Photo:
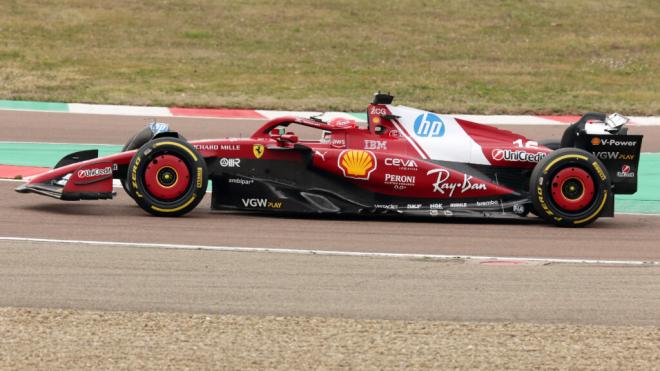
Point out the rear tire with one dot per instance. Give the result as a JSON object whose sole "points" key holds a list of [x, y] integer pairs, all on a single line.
{"points": [[167, 177], [570, 188]]}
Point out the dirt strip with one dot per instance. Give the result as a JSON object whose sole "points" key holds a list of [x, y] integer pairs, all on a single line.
{"points": [[66, 339]]}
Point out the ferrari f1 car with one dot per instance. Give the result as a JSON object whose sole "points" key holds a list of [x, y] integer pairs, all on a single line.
{"points": [[403, 161]]}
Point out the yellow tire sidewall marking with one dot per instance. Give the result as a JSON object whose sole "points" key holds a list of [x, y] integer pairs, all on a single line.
{"points": [[191, 153], [176, 208]]}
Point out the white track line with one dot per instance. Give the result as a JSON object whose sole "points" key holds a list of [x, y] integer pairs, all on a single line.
{"points": [[139, 115], [104, 109], [328, 252]]}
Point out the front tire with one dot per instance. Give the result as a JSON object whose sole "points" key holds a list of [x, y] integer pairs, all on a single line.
{"points": [[167, 177], [570, 188]]}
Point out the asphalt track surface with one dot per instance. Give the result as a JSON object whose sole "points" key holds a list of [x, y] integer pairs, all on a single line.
{"points": [[103, 277]]}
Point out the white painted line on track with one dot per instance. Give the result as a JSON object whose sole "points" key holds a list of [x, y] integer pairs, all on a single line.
{"points": [[330, 252], [121, 110], [142, 116]]}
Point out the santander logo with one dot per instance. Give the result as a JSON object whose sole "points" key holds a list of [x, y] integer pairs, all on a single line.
{"points": [[88, 173]]}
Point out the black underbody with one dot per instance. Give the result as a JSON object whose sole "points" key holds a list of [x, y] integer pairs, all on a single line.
{"points": [[297, 187]]}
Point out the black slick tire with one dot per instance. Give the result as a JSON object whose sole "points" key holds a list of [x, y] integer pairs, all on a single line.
{"points": [[570, 188], [167, 177]]}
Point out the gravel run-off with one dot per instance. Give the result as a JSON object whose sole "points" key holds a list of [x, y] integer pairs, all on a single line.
{"points": [[72, 339]]}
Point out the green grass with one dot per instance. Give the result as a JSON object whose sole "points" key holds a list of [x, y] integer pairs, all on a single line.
{"points": [[560, 56]]}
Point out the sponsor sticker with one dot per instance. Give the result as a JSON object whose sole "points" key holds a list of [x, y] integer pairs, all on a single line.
{"points": [[338, 143], [356, 163], [443, 185], [375, 144], [617, 143], [399, 181], [230, 147], [387, 206], [89, 173], [401, 163], [263, 203], [240, 181], [429, 125], [230, 162], [206, 147], [258, 150], [488, 203], [614, 155], [458, 205], [516, 155], [625, 172]]}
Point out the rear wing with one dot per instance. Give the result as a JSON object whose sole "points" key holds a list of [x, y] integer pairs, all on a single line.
{"points": [[620, 155], [606, 136]]}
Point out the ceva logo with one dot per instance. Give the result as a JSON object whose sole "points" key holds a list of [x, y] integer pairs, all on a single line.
{"points": [[429, 125], [357, 164]]}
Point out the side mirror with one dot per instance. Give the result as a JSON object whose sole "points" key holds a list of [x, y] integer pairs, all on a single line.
{"points": [[276, 133]]}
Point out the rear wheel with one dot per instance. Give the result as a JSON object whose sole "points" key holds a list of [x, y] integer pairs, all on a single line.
{"points": [[570, 188], [167, 177]]}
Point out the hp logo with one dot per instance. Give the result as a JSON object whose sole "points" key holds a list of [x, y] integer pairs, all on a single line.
{"points": [[428, 124]]}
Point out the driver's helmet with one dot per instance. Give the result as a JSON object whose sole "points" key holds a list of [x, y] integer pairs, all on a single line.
{"points": [[341, 122]]}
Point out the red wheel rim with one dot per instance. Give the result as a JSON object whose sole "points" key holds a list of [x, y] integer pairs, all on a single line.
{"points": [[166, 177], [572, 189]]}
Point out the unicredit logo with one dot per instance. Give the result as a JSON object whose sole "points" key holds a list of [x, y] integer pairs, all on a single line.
{"points": [[88, 173], [509, 155]]}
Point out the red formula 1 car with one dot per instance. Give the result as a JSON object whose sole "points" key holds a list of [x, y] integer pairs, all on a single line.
{"points": [[404, 161]]}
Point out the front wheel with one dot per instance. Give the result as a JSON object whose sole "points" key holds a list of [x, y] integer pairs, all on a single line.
{"points": [[570, 188], [167, 177]]}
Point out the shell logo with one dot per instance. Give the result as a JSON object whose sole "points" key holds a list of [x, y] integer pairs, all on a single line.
{"points": [[595, 141], [356, 163]]}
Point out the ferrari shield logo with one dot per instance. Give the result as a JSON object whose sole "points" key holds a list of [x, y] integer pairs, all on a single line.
{"points": [[258, 150]]}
